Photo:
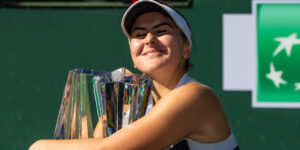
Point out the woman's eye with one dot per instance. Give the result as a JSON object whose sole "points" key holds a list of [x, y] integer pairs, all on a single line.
{"points": [[139, 35], [161, 31]]}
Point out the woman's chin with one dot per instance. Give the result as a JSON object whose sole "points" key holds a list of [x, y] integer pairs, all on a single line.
{"points": [[152, 71]]}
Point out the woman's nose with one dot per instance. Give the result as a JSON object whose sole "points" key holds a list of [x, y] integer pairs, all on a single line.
{"points": [[150, 38]]}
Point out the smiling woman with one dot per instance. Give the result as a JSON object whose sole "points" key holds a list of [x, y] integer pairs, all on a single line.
{"points": [[184, 114], [156, 45]]}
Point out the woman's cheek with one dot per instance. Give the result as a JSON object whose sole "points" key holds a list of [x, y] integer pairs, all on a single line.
{"points": [[136, 47], [135, 50]]}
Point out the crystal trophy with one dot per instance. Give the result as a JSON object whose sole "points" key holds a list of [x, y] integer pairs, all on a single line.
{"points": [[96, 104]]}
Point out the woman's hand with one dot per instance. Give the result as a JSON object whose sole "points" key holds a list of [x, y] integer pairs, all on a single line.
{"points": [[73, 144], [38, 145]]}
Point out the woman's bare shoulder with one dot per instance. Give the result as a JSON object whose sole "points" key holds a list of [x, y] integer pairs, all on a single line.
{"points": [[196, 100], [196, 91], [204, 111]]}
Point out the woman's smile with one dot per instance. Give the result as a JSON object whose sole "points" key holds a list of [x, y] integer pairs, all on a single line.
{"points": [[153, 52]]}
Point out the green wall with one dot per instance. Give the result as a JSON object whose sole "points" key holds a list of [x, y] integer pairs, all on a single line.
{"points": [[39, 46]]}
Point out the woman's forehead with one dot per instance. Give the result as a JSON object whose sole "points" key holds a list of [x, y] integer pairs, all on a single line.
{"points": [[152, 18]]}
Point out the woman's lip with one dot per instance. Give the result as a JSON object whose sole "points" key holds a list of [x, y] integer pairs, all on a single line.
{"points": [[153, 51]]}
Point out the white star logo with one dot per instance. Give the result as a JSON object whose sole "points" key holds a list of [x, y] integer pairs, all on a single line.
{"points": [[275, 76], [286, 43], [297, 86]]}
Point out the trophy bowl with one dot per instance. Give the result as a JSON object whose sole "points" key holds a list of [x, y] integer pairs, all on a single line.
{"points": [[96, 104]]}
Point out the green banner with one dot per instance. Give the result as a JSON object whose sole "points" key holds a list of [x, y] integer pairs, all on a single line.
{"points": [[278, 53]]}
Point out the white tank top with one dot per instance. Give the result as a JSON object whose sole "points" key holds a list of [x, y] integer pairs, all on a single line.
{"points": [[228, 144]]}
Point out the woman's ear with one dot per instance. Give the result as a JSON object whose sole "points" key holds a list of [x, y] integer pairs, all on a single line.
{"points": [[187, 52]]}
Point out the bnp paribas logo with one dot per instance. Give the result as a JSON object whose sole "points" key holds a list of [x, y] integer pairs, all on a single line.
{"points": [[262, 53]]}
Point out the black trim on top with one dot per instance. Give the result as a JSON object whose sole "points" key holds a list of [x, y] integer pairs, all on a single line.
{"points": [[80, 4], [182, 145]]}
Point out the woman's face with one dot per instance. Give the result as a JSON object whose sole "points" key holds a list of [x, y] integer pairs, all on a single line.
{"points": [[156, 44]]}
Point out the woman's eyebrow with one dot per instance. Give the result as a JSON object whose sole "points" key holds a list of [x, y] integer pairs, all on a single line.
{"points": [[161, 24], [154, 27], [137, 28]]}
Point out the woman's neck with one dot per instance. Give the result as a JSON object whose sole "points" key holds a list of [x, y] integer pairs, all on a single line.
{"points": [[162, 85]]}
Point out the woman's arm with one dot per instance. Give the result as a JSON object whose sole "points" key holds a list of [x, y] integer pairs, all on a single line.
{"points": [[74, 144], [190, 111]]}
